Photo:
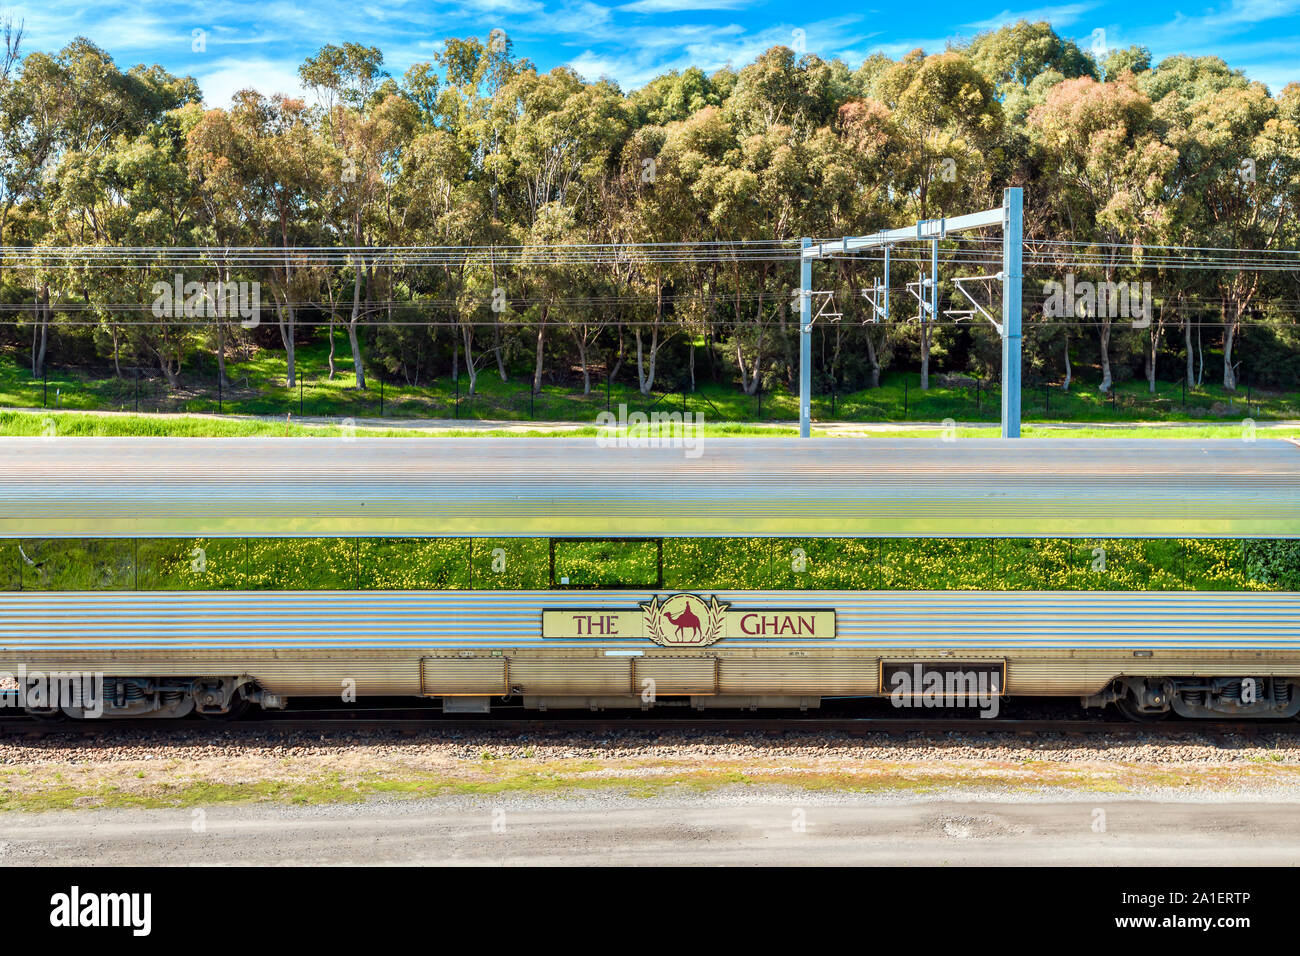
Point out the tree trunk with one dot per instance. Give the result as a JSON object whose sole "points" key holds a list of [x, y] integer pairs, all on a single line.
{"points": [[496, 347], [352, 328], [645, 368], [39, 342], [1104, 336], [873, 361], [582, 358], [541, 346], [1151, 365], [1229, 333], [330, 358], [1200, 356], [286, 322], [221, 355], [468, 332]]}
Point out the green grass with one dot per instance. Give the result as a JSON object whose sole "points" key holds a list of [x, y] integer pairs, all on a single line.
{"points": [[259, 390], [99, 425]]}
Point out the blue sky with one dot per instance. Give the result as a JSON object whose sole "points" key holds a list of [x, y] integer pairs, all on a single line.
{"points": [[261, 43]]}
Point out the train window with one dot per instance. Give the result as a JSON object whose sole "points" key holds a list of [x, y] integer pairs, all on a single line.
{"points": [[415, 564], [951, 564], [1215, 565], [510, 564], [76, 564], [9, 580], [683, 564], [189, 564], [606, 563]]}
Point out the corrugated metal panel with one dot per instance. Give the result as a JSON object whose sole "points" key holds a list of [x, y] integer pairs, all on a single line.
{"points": [[797, 675], [1081, 676], [541, 676], [676, 675], [460, 677], [736, 486], [434, 620]]}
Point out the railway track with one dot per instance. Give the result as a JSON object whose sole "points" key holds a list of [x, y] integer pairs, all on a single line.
{"points": [[359, 722]]}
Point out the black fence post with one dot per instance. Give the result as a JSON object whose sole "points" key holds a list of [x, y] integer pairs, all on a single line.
{"points": [[45, 387], [219, 409], [904, 399], [1047, 398], [137, 391], [608, 380], [1184, 381], [300, 393], [381, 396]]}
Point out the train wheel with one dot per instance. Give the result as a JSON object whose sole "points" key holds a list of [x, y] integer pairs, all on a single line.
{"points": [[238, 707], [1130, 710]]}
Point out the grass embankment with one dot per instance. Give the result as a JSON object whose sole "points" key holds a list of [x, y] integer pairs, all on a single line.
{"points": [[258, 389], [129, 425], [347, 771]]}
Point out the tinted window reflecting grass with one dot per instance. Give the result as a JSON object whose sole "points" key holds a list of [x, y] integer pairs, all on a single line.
{"points": [[596, 564], [76, 564], [689, 564]]}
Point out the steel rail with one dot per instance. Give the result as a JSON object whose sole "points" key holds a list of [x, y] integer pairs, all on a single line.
{"points": [[559, 725]]}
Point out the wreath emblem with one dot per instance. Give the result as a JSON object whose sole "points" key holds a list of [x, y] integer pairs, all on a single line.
{"points": [[684, 620]]}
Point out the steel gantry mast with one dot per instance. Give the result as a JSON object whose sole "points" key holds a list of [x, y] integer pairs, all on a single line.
{"points": [[1009, 216]]}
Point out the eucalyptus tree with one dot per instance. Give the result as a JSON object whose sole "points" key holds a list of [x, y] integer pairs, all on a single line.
{"points": [[559, 135], [282, 165], [950, 124], [1237, 160], [1106, 176]]}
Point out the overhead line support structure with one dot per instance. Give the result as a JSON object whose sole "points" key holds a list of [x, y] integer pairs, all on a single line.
{"points": [[1009, 217]]}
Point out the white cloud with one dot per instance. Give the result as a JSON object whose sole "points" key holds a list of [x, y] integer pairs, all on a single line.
{"points": [[230, 75], [679, 6], [1058, 16]]}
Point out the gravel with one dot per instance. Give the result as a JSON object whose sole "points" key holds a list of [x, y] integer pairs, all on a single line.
{"points": [[200, 744]]}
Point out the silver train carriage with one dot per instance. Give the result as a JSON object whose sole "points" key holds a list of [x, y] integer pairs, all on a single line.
{"points": [[167, 640]]}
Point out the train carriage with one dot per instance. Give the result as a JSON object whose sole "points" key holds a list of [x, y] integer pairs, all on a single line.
{"points": [[209, 574]]}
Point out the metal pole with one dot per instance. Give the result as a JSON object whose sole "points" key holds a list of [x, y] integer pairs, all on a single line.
{"points": [[934, 281], [45, 388], [219, 409], [381, 396], [805, 343], [1012, 274], [886, 283]]}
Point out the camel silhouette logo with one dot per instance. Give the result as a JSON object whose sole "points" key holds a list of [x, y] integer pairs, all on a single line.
{"points": [[684, 620]]}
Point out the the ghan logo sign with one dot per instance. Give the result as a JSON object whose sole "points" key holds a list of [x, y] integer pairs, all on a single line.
{"points": [[686, 620]]}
